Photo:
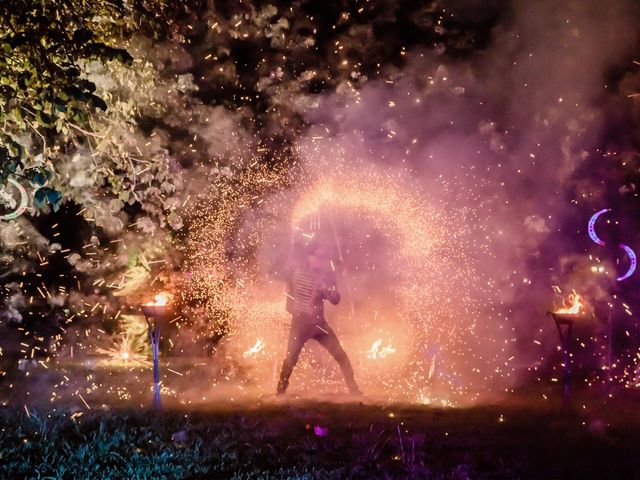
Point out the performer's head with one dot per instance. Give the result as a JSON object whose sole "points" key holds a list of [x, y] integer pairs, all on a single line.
{"points": [[316, 255], [317, 258]]}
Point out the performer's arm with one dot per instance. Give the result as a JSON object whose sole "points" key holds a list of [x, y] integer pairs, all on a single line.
{"points": [[330, 292]]}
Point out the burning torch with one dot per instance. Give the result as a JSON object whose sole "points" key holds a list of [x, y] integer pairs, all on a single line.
{"points": [[155, 313], [566, 317]]}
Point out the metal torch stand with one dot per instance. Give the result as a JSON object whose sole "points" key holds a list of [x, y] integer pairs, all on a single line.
{"points": [[154, 335], [153, 324], [565, 341]]}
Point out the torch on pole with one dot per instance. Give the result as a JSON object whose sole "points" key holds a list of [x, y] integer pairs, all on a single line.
{"points": [[565, 320], [155, 314]]}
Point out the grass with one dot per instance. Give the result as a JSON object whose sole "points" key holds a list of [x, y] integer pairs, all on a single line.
{"points": [[279, 441]]}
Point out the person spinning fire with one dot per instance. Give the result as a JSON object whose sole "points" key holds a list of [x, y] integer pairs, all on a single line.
{"points": [[309, 284]]}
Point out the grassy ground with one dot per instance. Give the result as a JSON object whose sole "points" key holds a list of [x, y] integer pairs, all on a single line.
{"points": [[308, 440]]}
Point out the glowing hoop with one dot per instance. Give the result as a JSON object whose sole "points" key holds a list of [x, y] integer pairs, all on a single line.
{"points": [[592, 226], [24, 202], [634, 262]]}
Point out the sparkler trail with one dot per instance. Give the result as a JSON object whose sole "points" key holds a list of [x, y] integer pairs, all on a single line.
{"points": [[403, 257]]}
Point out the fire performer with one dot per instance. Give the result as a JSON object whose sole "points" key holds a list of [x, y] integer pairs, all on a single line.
{"points": [[309, 284]]}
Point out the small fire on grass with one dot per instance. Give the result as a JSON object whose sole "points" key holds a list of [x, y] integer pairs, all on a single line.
{"points": [[376, 351], [124, 353], [253, 351]]}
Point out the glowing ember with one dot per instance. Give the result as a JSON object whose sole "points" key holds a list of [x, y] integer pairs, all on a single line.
{"points": [[574, 305], [376, 352], [125, 353], [160, 300], [253, 351]]}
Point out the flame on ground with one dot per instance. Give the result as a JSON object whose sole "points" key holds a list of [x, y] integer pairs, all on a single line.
{"points": [[376, 352], [124, 353], [253, 351]]}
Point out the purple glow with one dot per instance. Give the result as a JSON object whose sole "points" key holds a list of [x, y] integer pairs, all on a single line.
{"points": [[592, 224], [634, 262], [320, 431]]}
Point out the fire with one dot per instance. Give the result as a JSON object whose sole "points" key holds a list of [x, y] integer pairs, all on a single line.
{"points": [[123, 353], [376, 352], [160, 300], [254, 350], [575, 305], [126, 357]]}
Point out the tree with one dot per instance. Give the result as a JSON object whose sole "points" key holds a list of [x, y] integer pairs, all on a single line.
{"points": [[69, 127]]}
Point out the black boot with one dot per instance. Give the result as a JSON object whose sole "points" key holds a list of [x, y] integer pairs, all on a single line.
{"points": [[353, 387], [282, 387], [347, 372], [355, 391], [284, 378]]}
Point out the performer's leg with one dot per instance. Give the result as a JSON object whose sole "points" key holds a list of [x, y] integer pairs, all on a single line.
{"points": [[328, 339], [297, 338]]}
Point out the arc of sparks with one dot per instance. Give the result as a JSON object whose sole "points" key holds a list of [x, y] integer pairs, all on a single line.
{"points": [[592, 226], [632, 266], [22, 206]]}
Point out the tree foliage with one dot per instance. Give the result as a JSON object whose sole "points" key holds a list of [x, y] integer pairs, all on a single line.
{"points": [[45, 99], [69, 107], [41, 89]]}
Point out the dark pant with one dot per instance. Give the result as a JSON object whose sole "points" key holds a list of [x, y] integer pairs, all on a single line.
{"points": [[303, 330]]}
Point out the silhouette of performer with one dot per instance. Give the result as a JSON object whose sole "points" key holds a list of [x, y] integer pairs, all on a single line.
{"points": [[309, 284]]}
